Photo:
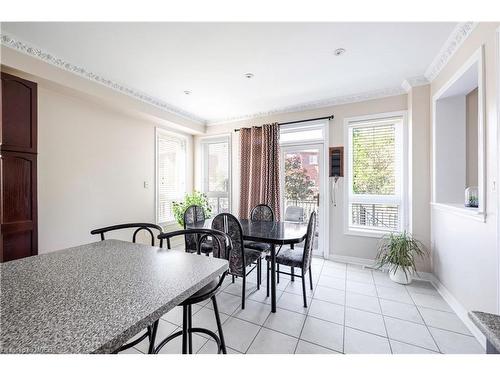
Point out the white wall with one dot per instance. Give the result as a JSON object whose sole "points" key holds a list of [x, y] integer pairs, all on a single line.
{"points": [[419, 176], [92, 164], [465, 253], [341, 246], [450, 157]]}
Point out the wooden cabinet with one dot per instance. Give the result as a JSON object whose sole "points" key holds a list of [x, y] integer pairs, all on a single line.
{"points": [[18, 168]]}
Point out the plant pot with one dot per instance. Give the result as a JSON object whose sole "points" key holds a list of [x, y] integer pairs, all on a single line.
{"points": [[399, 276]]}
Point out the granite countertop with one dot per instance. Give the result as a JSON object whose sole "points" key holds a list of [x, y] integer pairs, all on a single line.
{"points": [[94, 298], [489, 325]]}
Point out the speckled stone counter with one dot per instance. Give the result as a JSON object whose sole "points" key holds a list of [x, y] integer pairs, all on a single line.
{"points": [[489, 325], [94, 298]]}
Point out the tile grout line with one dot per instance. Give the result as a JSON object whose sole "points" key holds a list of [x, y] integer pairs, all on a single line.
{"points": [[307, 315], [383, 317], [425, 324], [345, 308]]}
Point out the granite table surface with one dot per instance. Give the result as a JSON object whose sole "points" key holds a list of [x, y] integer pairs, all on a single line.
{"points": [[489, 325], [94, 298]]}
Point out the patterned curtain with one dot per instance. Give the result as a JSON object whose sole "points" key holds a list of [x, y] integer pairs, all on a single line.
{"points": [[260, 168]]}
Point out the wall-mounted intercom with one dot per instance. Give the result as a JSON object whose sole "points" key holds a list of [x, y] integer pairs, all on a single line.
{"points": [[336, 161], [336, 170]]}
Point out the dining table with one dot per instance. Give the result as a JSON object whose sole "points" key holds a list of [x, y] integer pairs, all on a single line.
{"points": [[274, 233], [94, 298]]}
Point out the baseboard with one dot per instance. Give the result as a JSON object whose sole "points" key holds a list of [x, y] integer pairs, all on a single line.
{"points": [[456, 306], [352, 260]]}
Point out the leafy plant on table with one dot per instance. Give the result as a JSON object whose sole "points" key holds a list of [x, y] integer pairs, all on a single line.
{"points": [[196, 198]]}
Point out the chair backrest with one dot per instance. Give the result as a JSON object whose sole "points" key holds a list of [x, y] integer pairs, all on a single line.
{"points": [[310, 238], [262, 212], [229, 224], [148, 227], [193, 215], [221, 241], [294, 213], [222, 246]]}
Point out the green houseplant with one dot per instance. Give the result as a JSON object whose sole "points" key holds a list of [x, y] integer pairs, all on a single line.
{"points": [[399, 251], [196, 198]]}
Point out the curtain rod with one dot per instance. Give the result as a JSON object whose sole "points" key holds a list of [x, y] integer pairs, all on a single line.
{"points": [[296, 122]]}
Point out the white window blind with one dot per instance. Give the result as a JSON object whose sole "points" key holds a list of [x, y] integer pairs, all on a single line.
{"points": [[171, 172], [216, 173], [375, 157]]}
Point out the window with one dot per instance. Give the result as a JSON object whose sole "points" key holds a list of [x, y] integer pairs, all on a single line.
{"points": [[216, 173], [313, 131], [170, 173], [375, 180]]}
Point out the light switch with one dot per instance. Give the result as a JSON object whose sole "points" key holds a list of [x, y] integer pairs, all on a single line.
{"points": [[146, 185]]}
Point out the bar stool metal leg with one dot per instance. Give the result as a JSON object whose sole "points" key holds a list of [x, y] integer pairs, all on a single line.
{"points": [[219, 325], [190, 327], [185, 336], [152, 338]]}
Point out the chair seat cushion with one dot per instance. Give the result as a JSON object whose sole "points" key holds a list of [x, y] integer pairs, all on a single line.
{"points": [[289, 257], [206, 247], [260, 246], [204, 293], [251, 256]]}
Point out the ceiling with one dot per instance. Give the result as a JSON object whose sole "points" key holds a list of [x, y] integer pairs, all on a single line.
{"points": [[293, 63]]}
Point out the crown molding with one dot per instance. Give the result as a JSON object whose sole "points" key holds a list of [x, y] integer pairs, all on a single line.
{"points": [[346, 99], [459, 34], [20, 46], [409, 83]]}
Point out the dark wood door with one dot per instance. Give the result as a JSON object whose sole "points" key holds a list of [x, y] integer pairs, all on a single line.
{"points": [[18, 168]]}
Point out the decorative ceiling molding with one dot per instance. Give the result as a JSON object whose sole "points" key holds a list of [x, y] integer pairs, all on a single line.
{"points": [[346, 99], [409, 83], [454, 41], [452, 44], [11, 42]]}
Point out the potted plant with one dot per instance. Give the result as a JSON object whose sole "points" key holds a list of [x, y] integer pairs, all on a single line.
{"points": [[196, 198], [398, 251]]}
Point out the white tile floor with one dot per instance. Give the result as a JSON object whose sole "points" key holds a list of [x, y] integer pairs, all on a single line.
{"points": [[350, 310]]}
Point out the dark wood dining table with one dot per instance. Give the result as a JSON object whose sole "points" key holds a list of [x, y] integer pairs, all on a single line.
{"points": [[275, 233]]}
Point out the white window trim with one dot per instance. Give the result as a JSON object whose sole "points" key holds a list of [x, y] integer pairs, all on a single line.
{"points": [[185, 139], [479, 213], [226, 137], [381, 117]]}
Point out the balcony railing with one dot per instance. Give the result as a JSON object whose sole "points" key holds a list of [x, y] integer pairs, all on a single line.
{"points": [[308, 206]]}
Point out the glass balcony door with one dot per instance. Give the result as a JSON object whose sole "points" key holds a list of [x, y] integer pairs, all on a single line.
{"points": [[303, 186]]}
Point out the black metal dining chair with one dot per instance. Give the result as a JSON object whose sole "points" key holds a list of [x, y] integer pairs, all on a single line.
{"points": [[298, 258], [261, 212], [194, 217], [148, 227], [241, 257], [294, 214], [222, 248]]}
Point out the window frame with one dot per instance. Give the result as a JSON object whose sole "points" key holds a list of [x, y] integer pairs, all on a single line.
{"points": [[401, 196], [204, 142], [161, 131]]}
